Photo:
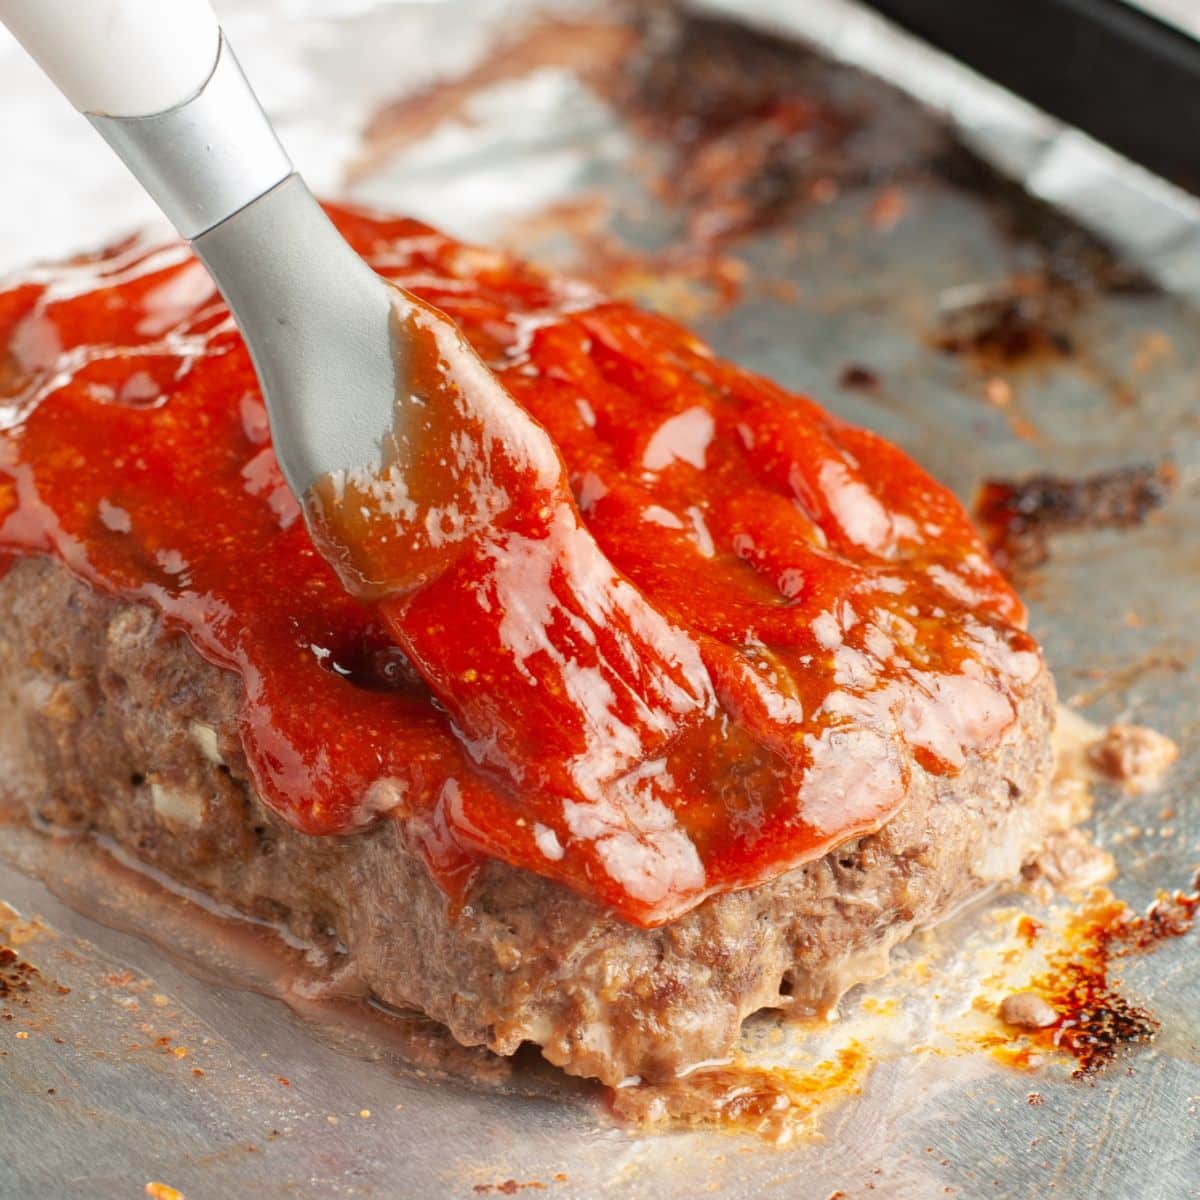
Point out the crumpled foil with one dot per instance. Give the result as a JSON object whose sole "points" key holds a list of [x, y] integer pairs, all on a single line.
{"points": [[148, 1071], [63, 189], [1154, 223]]}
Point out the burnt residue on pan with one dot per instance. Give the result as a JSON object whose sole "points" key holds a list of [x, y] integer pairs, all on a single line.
{"points": [[737, 132], [1023, 319], [748, 120], [1071, 257], [772, 1103], [857, 377], [1093, 1021], [749, 129], [1031, 317], [588, 46], [22, 985], [1018, 517], [17, 976]]}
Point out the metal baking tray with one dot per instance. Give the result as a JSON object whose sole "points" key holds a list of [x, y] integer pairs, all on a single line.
{"points": [[834, 266]]}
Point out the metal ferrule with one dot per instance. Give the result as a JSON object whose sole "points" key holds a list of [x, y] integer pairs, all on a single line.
{"points": [[207, 158]]}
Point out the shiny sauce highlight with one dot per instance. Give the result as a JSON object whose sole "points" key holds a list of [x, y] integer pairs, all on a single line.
{"points": [[690, 632]]}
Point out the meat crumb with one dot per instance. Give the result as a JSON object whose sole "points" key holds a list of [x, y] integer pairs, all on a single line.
{"points": [[1027, 1010], [1134, 755], [998, 392], [1068, 862], [887, 209]]}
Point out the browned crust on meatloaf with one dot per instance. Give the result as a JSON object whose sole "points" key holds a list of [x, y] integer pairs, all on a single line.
{"points": [[114, 724]]}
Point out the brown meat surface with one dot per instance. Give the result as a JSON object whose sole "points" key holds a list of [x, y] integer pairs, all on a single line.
{"points": [[113, 724]]}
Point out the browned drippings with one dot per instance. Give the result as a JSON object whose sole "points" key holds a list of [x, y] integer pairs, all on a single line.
{"points": [[508, 1187], [1029, 930], [590, 47], [740, 134], [1018, 517], [1023, 320], [16, 975], [1096, 1022], [748, 133], [21, 983], [1072, 255], [856, 377], [773, 1103], [737, 131]]}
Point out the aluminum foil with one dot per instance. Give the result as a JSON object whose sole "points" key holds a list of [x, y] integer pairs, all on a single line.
{"points": [[143, 1065], [1181, 13], [1155, 222]]}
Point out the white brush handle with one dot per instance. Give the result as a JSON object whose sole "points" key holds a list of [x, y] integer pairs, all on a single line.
{"points": [[119, 58], [158, 81]]}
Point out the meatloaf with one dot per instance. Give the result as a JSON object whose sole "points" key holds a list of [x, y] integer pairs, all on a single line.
{"points": [[182, 675], [116, 725]]}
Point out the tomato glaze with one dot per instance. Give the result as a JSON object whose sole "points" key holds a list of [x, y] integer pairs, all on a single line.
{"points": [[789, 614]]}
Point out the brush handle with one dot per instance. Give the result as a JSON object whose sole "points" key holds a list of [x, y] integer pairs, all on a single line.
{"points": [[160, 82], [119, 58], [162, 85]]}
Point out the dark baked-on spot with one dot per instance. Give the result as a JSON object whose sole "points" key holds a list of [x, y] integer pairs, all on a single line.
{"points": [[1020, 320], [16, 975], [750, 121], [856, 377], [1018, 517]]}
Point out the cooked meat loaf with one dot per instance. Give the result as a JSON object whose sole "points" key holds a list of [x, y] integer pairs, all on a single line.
{"points": [[113, 724]]}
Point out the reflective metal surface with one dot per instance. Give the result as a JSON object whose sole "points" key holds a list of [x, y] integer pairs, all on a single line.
{"points": [[859, 275], [1178, 12], [207, 158], [317, 322]]}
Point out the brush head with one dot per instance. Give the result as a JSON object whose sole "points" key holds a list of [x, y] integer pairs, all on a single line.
{"points": [[318, 324]]}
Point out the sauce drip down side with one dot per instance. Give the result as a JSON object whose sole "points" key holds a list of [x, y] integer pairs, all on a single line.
{"points": [[689, 630]]}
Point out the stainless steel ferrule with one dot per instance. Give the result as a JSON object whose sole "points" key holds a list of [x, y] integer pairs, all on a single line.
{"points": [[207, 158]]}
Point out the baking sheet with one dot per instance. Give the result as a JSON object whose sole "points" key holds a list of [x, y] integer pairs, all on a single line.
{"points": [[1178, 12], [889, 230]]}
